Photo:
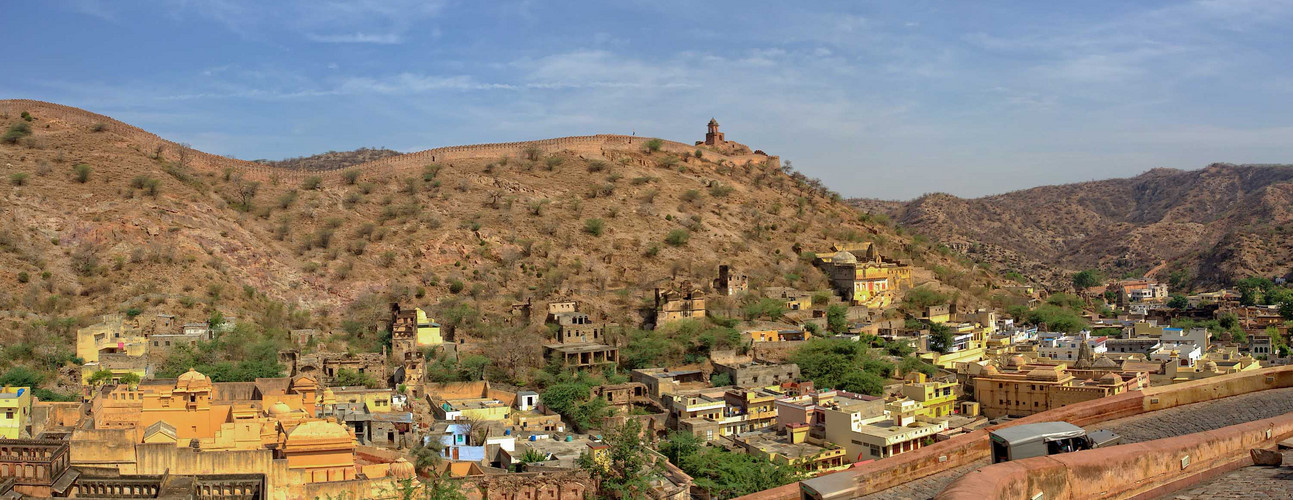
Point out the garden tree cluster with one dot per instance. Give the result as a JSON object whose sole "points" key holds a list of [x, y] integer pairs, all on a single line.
{"points": [[678, 342], [467, 368], [941, 337], [21, 376], [837, 319], [1178, 301], [920, 299], [842, 364], [1262, 291], [570, 395], [1061, 313], [1083, 280], [628, 469], [353, 378], [242, 354], [722, 473]]}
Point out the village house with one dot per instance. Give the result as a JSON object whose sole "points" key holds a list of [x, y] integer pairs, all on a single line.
{"points": [[412, 330], [795, 449], [579, 341], [677, 303], [753, 374], [663, 381], [869, 280], [793, 299], [1026, 389], [729, 282]]}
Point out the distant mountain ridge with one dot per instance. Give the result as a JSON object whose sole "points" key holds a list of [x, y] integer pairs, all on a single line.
{"points": [[1205, 227]]}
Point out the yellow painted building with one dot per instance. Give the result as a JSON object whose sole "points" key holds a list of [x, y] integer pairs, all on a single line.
{"points": [[428, 330], [937, 399], [15, 411], [863, 276]]}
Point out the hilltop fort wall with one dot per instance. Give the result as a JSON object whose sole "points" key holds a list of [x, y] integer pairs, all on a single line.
{"points": [[149, 143]]}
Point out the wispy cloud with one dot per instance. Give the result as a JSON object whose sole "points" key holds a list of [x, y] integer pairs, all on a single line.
{"points": [[377, 38]]}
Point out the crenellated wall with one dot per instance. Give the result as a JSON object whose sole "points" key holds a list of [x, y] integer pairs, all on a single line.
{"points": [[1139, 470], [602, 145], [970, 447]]}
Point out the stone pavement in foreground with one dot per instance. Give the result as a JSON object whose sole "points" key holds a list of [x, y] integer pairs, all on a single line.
{"points": [[1257, 482], [1186, 419]]}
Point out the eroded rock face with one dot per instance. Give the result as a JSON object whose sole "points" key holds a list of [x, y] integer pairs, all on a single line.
{"points": [[1266, 457], [1212, 226]]}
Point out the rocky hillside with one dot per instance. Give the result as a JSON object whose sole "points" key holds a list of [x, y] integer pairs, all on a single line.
{"points": [[1203, 227], [332, 160], [103, 217]]}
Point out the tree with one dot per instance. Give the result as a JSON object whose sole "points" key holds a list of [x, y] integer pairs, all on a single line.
{"points": [[941, 337], [722, 473], [1178, 301], [654, 145], [21, 376], [99, 377], [131, 379], [720, 380], [841, 364], [920, 299], [348, 377], [244, 192], [837, 319], [1087, 279], [1283, 298], [627, 470], [1252, 291]]}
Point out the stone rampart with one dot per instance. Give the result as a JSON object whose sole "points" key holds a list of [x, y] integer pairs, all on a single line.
{"points": [[1140, 470], [601, 144], [970, 447]]}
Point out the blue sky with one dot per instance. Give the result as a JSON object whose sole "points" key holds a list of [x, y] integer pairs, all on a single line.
{"points": [[878, 99]]}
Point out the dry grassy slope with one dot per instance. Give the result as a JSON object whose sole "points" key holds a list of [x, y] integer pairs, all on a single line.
{"points": [[189, 246], [1220, 223]]}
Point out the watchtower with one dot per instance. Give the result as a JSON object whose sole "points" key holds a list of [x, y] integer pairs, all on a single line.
{"points": [[713, 137]]}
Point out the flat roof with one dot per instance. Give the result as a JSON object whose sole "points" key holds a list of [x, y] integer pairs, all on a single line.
{"points": [[1041, 431]]}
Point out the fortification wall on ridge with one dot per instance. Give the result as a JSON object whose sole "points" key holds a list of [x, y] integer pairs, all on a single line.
{"points": [[405, 164]]}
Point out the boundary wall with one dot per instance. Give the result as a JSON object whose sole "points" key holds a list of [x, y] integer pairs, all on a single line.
{"points": [[409, 162], [1139, 470], [967, 448]]}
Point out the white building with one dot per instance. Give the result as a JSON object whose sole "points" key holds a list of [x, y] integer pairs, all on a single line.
{"points": [[1066, 348]]}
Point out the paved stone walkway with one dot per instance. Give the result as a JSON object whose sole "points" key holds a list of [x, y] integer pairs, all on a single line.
{"points": [[1188, 419], [1256, 482]]}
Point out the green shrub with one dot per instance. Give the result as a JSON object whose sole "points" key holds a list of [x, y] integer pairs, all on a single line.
{"points": [[81, 173], [594, 227], [719, 190], [351, 177], [677, 237], [690, 195], [99, 127], [15, 132], [23, 277], [311, 183], [654, 145], [455, 286], [26, 116], [18, 178], [146, 183]]}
